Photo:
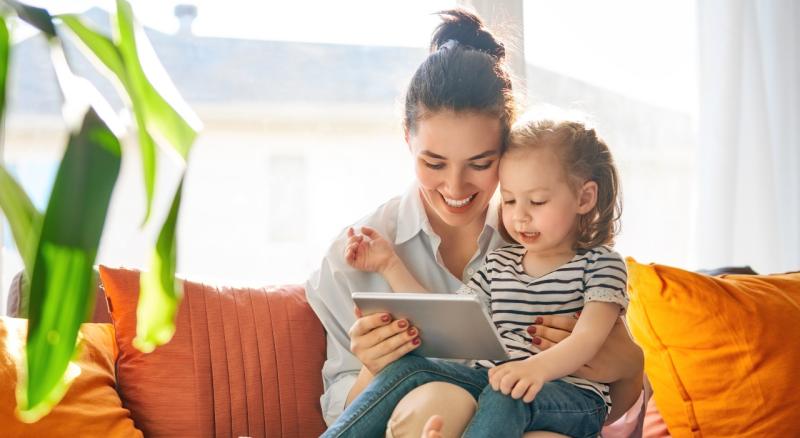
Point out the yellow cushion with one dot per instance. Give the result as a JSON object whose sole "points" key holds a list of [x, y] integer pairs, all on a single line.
{"points": [[90, 408], [721, 352]]}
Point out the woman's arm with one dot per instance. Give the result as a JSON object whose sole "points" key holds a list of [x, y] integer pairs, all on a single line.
{"points": [[620, 361], [618, 358], [363, 379], [524, 379]]}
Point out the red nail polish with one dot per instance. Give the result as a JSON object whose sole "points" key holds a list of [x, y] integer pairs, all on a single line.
{"points": [[539, 320], [385, 317], [402, 324], [531, 330], [412, 332], [537, 341], [415, 341]]}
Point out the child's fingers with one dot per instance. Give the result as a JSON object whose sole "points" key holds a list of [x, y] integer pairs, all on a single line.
{"points": [[530, 394], [372, 233], [520, 389], [507, 383], [350, 232]]}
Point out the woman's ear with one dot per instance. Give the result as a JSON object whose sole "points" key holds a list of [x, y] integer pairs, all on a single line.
{"points": [[587, 198]]}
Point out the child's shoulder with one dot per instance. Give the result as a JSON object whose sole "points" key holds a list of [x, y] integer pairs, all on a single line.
{"points": [[601, 259], [511, 251], [601, 253]]}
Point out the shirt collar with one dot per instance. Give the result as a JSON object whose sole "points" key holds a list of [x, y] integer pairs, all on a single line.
{"points": [[412, 218]]}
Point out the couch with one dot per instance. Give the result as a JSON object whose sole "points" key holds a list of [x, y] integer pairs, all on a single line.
{"points": [[210, 376]]}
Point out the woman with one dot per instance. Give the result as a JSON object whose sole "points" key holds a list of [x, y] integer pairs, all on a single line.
{"points": [[458, 111]]}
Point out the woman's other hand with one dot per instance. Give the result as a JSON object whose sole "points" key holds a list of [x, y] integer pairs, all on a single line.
{"points": [[378, 340], [609, 365], [368, 251]]}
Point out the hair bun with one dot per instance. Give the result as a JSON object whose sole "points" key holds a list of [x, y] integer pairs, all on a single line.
{"points": [[468, 29]]}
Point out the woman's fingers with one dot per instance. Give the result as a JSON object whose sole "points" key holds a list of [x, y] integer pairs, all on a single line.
{"points": [[370, 232], [368, 323], [404, 346], [545, 337], [557, 322], [549, 330]]}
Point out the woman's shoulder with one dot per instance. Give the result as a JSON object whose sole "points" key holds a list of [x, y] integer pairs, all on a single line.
{"points": [[383, 219]]}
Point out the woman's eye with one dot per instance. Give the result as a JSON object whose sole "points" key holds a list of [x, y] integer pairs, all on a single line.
{"points": [[481, 166], [435, 166]]}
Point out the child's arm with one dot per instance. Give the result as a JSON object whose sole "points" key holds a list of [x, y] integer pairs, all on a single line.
{"points": [[524, 379], [375, 254]]}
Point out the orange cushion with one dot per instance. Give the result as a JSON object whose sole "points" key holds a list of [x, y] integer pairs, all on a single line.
{"points": [[242, 362], [90, 408], [719, 351]]}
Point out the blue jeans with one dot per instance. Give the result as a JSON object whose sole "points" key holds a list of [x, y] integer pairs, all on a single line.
{"points": [[559, 406]]}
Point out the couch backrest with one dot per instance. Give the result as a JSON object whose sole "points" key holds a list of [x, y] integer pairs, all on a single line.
{"points": [[14, 300]]}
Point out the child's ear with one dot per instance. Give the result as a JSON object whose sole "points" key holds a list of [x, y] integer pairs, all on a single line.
{"points": [[587, 198]]}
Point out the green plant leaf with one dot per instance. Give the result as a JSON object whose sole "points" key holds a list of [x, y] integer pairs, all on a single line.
{"points": [[62, 280], [4, 50], [160, 293], [36, 17], [23, 218], [154, 114], [173, 121], [98, 44]]}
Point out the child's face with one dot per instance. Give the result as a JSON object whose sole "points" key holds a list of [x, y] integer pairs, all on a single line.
{"points": [[540, 208]]}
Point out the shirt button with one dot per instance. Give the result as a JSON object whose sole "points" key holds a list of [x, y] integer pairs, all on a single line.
{"points": [[471, 271]]}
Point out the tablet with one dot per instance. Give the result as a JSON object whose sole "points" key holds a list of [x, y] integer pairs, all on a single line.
{"points": [[451, 326]]}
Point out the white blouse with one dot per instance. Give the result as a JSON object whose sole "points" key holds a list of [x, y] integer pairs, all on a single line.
{"points": [[401, 220]]}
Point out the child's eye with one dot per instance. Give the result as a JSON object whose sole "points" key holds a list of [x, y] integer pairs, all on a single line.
{"points": [[434, 166], [485, 166], [508, 202], [538, 203]]}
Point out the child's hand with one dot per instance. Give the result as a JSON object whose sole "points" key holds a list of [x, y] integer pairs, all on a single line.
{"points": [[368, 251], [519, 379]]}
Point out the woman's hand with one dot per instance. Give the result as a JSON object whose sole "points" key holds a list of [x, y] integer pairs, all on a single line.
{"points": [[618, 358], [377, 340], [368, 251]]}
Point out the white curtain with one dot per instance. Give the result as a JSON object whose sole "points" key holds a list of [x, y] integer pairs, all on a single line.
{"points": [[748, 194]]}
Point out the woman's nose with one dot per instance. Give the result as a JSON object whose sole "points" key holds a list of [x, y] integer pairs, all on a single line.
{"points": [[455, 181]]}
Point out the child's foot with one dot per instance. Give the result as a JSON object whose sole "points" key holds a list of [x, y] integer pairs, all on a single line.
{"points": [[433, 427]]}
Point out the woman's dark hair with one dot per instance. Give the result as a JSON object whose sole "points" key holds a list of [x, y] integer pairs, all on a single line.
{"points": [[464, 72]]}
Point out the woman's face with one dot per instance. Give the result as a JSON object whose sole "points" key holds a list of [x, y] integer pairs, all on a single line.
{"points": [[456, 156]]}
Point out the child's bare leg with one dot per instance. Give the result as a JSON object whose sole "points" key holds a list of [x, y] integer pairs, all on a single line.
{"points": [[433, 427], [454, 405]]}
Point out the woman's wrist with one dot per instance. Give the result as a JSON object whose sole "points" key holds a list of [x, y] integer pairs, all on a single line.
{"points": [[393, 266]]}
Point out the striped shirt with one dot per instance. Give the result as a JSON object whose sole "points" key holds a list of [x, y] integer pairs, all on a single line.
{"points": [[514, 299]]}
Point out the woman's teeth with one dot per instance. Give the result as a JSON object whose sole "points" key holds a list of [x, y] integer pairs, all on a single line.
{"points": [[458, 202]]}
